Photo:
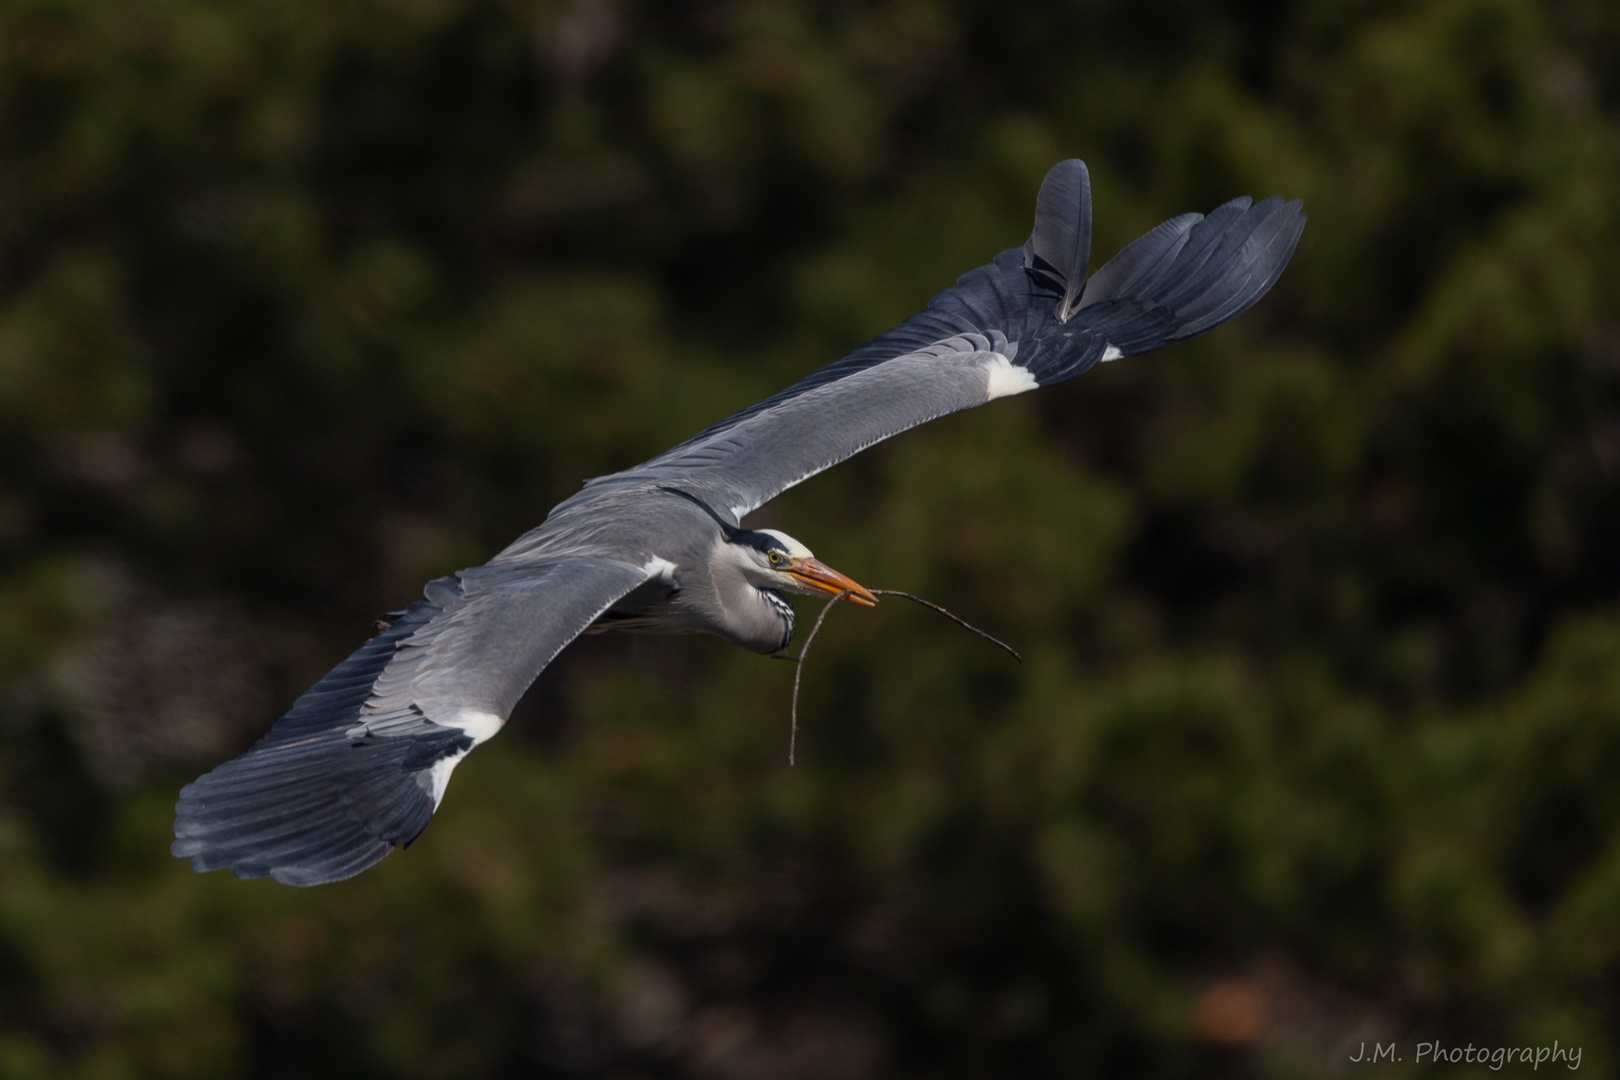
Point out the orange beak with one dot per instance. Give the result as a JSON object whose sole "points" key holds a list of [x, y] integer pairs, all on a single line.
{"points": [[817, 575]]}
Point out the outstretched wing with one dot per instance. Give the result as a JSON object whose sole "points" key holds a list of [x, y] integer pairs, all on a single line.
{"points": [[360, 762], [1030, 318]]}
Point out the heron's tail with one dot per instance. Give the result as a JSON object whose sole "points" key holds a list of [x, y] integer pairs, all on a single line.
{"points": [[1188, 275]]}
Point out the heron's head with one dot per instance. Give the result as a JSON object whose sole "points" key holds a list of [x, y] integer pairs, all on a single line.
{"points": [[774, 560]]}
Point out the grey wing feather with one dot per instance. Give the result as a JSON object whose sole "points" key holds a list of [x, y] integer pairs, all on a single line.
{"points": [[1029, 318], [751, 462], [358, 764]]}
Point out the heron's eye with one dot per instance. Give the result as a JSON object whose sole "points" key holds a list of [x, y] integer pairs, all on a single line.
{"points": [[776, 558]]}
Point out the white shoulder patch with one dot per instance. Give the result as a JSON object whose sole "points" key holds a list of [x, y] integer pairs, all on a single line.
{"points": [[1111, 353], [1003, 378], [482, 726], [660, 569]]}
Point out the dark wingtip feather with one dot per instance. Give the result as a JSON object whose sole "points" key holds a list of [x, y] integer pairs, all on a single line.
{"points": [[1141, 263], [279, 810], [1192, 274], [1059, 248], [305, 834]]}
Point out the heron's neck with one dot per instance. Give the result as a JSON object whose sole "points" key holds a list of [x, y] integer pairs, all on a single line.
{"points": [[755, 618]]}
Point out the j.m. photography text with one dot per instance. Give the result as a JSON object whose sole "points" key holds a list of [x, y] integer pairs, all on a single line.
{"points": [[1496, 1058]]}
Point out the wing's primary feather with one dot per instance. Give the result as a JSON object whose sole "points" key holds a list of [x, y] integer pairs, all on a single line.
{"points": [[359, 764], [1142, 262], [1191, 274]]}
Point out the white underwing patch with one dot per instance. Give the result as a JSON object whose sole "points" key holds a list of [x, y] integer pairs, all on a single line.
{"points": [[1111, 353], [439, 775]]}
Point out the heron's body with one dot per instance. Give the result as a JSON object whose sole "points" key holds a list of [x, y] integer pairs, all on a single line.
{"points": [[698, 582], [360, 762]]}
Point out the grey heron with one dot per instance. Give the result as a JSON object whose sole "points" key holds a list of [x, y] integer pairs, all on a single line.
{"points": [[359, 764]]}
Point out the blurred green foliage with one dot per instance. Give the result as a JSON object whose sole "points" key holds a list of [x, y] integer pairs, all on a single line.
{"points": [[1317, 735]]}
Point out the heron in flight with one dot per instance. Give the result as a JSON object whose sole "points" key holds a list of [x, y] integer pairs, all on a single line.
{"points": [[359, 764]]}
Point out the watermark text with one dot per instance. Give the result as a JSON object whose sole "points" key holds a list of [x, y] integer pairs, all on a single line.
{"points": [[1495, 1058]]}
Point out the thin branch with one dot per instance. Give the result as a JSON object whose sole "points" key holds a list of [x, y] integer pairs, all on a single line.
{"points": [[963, 623], [798, 661], [798, 670]]}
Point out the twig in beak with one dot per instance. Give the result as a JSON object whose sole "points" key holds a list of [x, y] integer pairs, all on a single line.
{"points": [[798, 661], [963, 623]]}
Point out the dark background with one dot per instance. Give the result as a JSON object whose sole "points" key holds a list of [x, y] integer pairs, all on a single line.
{"points": [[303, 302]]}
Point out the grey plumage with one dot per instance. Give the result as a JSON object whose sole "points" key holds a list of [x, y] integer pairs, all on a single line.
{"points": [[360, 762], [349, 771]]}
